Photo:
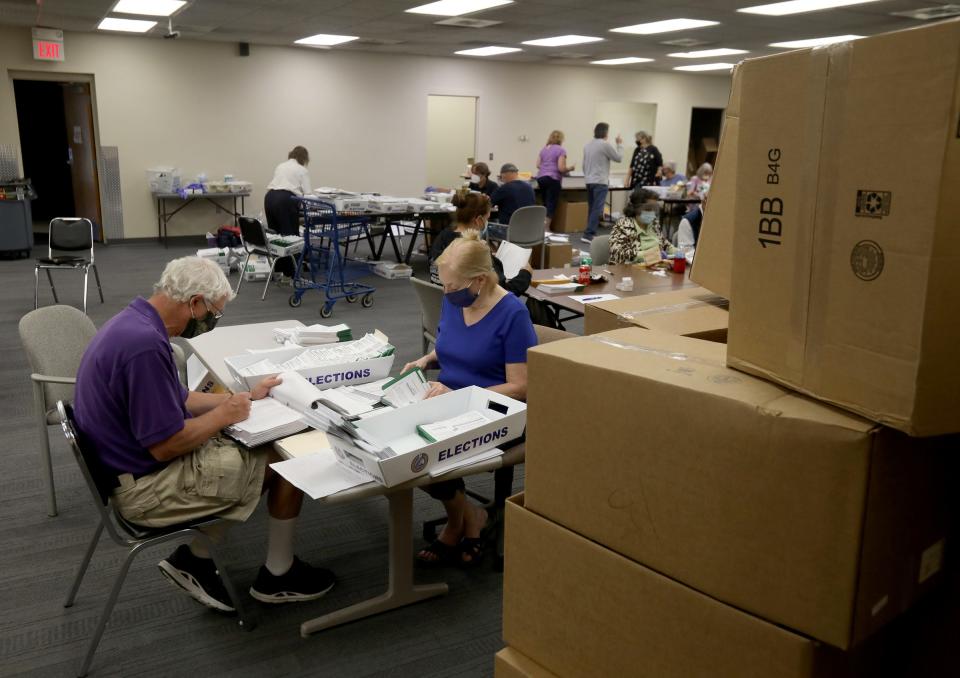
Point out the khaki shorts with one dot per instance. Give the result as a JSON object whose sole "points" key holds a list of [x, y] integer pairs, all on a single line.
{"points": [[218, 479]]}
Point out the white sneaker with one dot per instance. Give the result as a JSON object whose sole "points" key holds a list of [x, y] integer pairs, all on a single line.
{"points": [[586, 240]]}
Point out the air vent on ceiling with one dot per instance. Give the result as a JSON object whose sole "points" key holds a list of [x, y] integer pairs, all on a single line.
{"points": [[928, 13], [377, 42], [465, 22], [685, 42], [569, 55]]}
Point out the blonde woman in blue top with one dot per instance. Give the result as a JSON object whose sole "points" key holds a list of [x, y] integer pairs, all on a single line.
{"points": [[482, 341]]}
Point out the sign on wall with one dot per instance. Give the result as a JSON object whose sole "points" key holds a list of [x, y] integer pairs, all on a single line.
{"points": [[47, 44]]}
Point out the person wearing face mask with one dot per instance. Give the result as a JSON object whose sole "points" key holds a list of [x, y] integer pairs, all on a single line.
{"points": [[482, 340], [645, 164], [701, 182], [638, 231], [473, 213], [162, 446], [480, 180]]}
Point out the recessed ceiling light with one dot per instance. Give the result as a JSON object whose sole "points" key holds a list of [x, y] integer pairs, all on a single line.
{"points": [[621, 61], [488, 51], [561, 40], [707, 53], [800, 6], [457, 7], [325, 40], [704, 67], [929, 13], [149, 7], [815, 42], [664, 26], [126, 25]]}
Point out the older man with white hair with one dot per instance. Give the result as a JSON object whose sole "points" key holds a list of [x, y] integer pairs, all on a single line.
{"points": [[163, 443]]}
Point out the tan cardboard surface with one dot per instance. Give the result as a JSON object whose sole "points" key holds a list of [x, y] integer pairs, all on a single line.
{"points": [[569, 217], [558, 254], [714, 256], [759, 497], [582, 610], [691, 312], [845, 278], [511, 663]]}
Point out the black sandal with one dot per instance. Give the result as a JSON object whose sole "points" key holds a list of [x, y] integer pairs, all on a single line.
{"points": [[473, 547], [446, 555]]}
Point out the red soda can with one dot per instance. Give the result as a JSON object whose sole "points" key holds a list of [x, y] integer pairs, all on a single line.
{"points": [[679, 263], [584, 277]]}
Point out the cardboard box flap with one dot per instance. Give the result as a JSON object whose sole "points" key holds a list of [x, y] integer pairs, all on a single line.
{"points": [[688, 363], [682, 312]]}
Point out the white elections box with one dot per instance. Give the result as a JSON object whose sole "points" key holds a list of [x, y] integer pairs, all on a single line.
{"points": [[404, 454], [323, 376]]}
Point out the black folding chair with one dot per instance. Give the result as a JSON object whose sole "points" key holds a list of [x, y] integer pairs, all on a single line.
{"points": [[67, 238], [134, 538], [254, 237]]}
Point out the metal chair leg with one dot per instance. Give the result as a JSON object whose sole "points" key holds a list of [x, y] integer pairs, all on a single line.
{"points": [[86, 274], [266, 285], [107, 609], [96, 276], [246, 622], [82, 570], [242, 270], [46, 465], [52, 288], [36, 287]]}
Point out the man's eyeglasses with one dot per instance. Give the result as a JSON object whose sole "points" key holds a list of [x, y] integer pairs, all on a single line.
{"points": [[217, 312]]}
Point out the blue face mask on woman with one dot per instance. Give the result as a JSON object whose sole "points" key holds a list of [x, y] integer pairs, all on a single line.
{"points": [[646, 218], [462, 298]]}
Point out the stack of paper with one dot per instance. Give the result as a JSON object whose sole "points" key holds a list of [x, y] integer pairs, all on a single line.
{"points": [[410, 387], [370, 347], [269, 419], [322, 334], [441, 430], [513, 257], [557, 237]]}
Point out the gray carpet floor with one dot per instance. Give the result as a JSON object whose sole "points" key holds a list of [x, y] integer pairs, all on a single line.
{"points": [[157, 631]]}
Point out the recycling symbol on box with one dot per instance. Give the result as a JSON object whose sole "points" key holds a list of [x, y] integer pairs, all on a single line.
{"points": [[873, 204]]}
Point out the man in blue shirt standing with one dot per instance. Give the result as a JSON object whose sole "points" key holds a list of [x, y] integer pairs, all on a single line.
{"points": [[596, 170], [512, 194]]}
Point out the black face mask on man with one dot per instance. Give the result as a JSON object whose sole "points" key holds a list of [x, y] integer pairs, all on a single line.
{"points": [[196, 327]]}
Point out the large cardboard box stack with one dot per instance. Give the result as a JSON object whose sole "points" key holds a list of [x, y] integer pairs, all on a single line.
{"points": [[837, 193]]}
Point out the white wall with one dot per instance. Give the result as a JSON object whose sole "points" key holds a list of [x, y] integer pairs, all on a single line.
{"points": [[199, 106]]}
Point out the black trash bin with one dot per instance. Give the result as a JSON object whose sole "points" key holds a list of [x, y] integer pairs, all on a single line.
{"points": [[16, 221]]}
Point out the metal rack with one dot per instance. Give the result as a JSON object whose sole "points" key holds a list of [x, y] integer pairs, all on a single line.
{"points": [[323, 264]]}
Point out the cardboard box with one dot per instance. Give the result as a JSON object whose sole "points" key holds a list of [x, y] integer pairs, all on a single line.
{"points": [[692, 312], [558, 254], [581, 610], [569, 217], [797, 512], [326, 376], [845, 247], [407, 455], [509, 663]]}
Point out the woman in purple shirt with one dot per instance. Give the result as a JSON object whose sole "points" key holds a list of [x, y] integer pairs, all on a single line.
{"points": [[551, 166], [482, 341]]}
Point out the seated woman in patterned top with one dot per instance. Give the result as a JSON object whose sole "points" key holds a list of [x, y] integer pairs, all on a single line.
{"points": [[638, 230]]}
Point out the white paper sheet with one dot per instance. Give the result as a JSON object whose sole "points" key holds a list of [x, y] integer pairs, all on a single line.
{"points": [[295, 391], [469, 461], [513, 257], [318, 475], [593, 298]]}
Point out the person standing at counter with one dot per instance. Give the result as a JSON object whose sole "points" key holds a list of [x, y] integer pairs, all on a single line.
{"points": [[290, 179], [597, 155], [551, 166], [645, 164]]}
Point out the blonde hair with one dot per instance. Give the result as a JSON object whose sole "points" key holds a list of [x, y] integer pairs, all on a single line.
{"points": [[556, 137], [469, 257]]}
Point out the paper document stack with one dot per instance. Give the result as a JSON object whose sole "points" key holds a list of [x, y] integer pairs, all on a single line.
{"points": [[322, 334], [269, 419], [513, 257], [448, 428], [410, 387], [371, 346]]}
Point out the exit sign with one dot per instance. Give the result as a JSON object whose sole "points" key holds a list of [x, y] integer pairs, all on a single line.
{"points": [[47, 44]]}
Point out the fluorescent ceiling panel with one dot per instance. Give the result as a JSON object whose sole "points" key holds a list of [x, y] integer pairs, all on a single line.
{"points": [[704, 67], [488, 51], [149, 7], [815, 42], [707, 53], [800, 6], [664, 26], [325, 40], [126, 25], [621, 61], [561, 40], [457, 7]]}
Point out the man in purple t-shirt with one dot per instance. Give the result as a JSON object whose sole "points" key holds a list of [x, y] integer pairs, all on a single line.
{"points": [[163, 442]]}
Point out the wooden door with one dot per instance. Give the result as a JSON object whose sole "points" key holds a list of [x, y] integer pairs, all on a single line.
{"points": [[82, 152]]}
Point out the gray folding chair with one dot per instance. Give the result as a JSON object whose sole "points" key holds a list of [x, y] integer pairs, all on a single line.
{"points": [[527, 226], [430, 297], [54, 339], [600, 250], [67, 238], [253, 234], [134, 538]]}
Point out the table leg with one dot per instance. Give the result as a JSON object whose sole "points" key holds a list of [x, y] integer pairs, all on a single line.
{"points": [[401, 590], [413, 240]]}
